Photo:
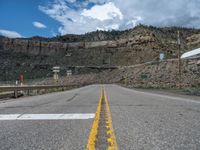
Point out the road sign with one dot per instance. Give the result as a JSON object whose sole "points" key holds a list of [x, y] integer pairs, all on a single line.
{"points": [[56, 70]]}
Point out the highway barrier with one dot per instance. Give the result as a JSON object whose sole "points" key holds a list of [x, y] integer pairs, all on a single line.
{"points": [[18, 90]]}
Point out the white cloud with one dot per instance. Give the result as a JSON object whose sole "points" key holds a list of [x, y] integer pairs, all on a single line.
{"points": [[78, 17], [10, 34], [109, 27], [39, 25], [60, 12], [73, 22], [162, 12], [134, 21], [103, 12], [100, 29]]}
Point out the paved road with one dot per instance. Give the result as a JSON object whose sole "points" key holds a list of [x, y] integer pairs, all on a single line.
{"points": [[141, 121], [154, 122], [49, 134]]}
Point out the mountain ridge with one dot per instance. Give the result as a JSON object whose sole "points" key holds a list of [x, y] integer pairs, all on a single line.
{"points": [[36, 56]]}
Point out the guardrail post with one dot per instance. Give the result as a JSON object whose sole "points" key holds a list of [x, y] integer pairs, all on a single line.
{"points": [[15, 93], [28, 92]]}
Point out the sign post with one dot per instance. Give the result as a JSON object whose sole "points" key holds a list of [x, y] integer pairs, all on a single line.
{"points": [[56, 70]]}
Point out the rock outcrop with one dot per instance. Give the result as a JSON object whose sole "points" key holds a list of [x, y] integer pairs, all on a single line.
{"points": [[92, 52]]}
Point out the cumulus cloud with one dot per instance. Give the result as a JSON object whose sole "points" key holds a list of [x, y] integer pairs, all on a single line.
{"points": [[107, 28], [103, 12], [10, 34], [163, 12], [39, 25], [77, 16]]}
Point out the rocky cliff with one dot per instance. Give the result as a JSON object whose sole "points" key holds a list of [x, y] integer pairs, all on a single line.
{"points": [[92, 52]]}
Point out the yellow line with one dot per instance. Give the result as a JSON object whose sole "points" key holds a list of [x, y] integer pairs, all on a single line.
{"points": [[110, 131], [109, 128], [94, 130]]}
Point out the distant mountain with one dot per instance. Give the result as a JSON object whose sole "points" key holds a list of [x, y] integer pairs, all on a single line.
{"points": [[91, 52]]}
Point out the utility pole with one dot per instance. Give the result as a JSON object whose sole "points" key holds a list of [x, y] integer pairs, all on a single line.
{"points": [[179, 58], [109, 61], [126, 76]]}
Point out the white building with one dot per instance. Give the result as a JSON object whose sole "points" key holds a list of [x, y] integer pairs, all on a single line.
{"points": [[191, 54]]}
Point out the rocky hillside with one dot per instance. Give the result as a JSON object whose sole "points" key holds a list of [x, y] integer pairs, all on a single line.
{"points": [[93, 52]]}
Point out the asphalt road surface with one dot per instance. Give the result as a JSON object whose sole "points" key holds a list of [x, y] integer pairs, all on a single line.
{"points": [[141, 120]]}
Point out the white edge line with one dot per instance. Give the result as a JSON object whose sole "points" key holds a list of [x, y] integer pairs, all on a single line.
{"points": [[171, 97], [165, 96]]}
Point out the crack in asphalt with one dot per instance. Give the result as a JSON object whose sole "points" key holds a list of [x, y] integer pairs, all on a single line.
{"points": [[39, 105], [70, 99]]}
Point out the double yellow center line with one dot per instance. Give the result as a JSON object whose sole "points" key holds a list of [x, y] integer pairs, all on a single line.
{"points": [[110, 135]]}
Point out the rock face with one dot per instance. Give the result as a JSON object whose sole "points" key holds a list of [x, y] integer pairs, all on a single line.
{"points": [[163, 74], [194, 40], [158, 74], [93, 52]]}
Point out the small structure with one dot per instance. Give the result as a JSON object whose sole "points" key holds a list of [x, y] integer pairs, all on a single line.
{"points": [[68, 54], [162, 56], [191, 54], [56, 70], [69, 72]]}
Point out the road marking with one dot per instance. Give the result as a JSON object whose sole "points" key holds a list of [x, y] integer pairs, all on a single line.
{"points": [[188, 100], [110, 132], [170, 97], [94, 129], [46, 116], [110, 135]]}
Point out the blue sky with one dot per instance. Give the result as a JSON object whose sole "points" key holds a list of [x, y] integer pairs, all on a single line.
{"points": [[19, 15], [26, 18]]}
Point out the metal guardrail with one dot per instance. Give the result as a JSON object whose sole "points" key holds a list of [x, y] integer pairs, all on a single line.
{"points": [[28, 87], [15, 89]]}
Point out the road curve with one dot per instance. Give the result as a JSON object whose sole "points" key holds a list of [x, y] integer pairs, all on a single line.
{"points": [[140, 120]]}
